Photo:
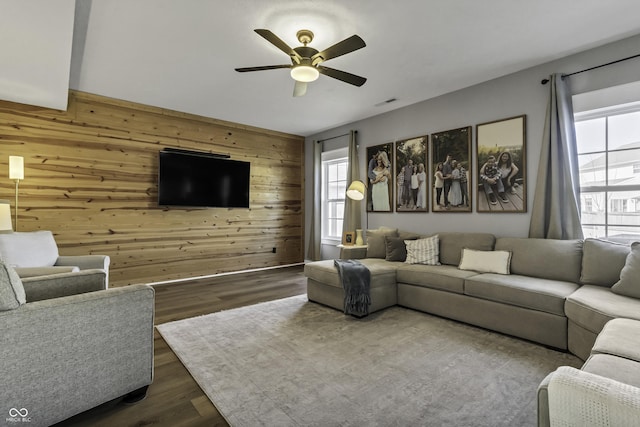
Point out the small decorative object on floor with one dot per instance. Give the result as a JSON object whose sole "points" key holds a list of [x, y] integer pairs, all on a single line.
{"points": [[356, 280]]}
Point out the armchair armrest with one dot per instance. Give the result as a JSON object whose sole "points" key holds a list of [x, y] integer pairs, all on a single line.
{"points": [[64, 284], [85, 262], [578, 398], [86, 349]]}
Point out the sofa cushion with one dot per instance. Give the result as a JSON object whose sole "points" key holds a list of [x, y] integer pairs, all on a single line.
{"points": [[617, 368], [375, 241], [383, 273], [29, 249], [423, 251], [602, 261], [451, 245], [442, 277], [396, 248], [619, 337], [544, 258], [591, 307], [12, 293], [528, 292], [629, 283], [485, 261]]}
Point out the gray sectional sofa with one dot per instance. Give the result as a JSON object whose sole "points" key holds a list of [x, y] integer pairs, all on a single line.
{"points": [[559, 293]]}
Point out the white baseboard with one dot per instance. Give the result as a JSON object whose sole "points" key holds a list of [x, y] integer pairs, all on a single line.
{"points": [[189, 279]]}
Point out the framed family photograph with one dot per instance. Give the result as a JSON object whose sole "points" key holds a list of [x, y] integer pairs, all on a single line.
{"points": [[451, 166], [380, 178], [501, 157], [411, 175], [349, 238]]}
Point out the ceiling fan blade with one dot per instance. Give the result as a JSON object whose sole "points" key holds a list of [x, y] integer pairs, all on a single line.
{"points": [[300, 88], [341, 48], [342, 75], [277, 42], [266, 67]]}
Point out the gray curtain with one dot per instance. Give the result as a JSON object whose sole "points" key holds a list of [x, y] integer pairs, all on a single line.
{"points": [[352, 208], [313, 251], [556, 203]]}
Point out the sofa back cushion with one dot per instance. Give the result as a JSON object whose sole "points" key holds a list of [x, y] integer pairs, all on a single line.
{"points": [[602, 262], [629, 285], [544, 258], [452, 244], [376, 246], [29, 249]]}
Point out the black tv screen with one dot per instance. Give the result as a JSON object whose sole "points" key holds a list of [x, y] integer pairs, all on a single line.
{"points": [[201, 179]]}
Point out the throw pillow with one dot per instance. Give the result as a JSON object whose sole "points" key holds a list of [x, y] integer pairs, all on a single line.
{"points": [[602, 262], [629, 284], [12, 293], [375, 241], [396, 248], [485, 261], [423, 251]]}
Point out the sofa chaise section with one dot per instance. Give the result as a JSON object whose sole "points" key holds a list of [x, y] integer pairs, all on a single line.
{"points": [[324, 285]]}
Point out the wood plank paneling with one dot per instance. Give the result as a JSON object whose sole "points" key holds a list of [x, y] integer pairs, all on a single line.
{"points": [[91, 178]]}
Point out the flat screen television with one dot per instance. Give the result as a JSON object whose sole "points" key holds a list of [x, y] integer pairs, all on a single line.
{"points": [[189, 178]]}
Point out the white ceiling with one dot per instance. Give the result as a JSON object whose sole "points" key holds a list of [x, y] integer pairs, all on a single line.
{"points": [[181, 54]]}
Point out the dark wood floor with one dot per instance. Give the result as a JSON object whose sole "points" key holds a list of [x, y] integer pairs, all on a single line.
{"points": [[174, 398]]}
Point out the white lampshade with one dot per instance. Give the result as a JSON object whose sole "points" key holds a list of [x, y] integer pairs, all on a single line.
{"points": [[16, 167], [5, 216], [357, 190], [304, 73]]}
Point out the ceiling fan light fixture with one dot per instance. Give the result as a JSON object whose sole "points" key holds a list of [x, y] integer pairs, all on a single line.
{"points": [[304, 73]]}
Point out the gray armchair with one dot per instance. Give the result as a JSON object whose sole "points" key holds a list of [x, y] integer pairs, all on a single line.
{"points": [[35, 253], [73, 345]]}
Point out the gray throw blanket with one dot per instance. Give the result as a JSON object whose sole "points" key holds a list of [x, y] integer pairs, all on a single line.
{"points": [[356, 279]]}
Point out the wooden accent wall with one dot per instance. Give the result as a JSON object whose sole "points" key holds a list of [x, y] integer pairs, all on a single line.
{"points": [[91, 178]]}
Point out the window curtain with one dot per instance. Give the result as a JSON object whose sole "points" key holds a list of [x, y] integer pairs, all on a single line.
{"points": [[313, 251], [556, 204], [352, 208]]}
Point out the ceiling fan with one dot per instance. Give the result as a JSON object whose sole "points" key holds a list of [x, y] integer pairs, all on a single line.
{"points": [[305, 60]]}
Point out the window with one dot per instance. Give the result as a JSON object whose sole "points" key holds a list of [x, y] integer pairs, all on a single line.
{"points": [[334, 186], [609, 157]]}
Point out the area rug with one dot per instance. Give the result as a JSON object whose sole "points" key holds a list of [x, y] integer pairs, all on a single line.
{"points": [[292, 362]]}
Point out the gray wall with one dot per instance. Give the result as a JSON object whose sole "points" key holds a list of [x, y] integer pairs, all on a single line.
{"points": [[508, 96]]}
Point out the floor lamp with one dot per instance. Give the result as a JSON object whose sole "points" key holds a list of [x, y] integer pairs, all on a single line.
{"points": [[357, 191], [16, 172]]}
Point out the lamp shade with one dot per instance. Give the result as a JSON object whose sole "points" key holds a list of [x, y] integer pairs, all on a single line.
{"points": [[356, 190], [5, 216], [304, 73], [16, 167]]}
